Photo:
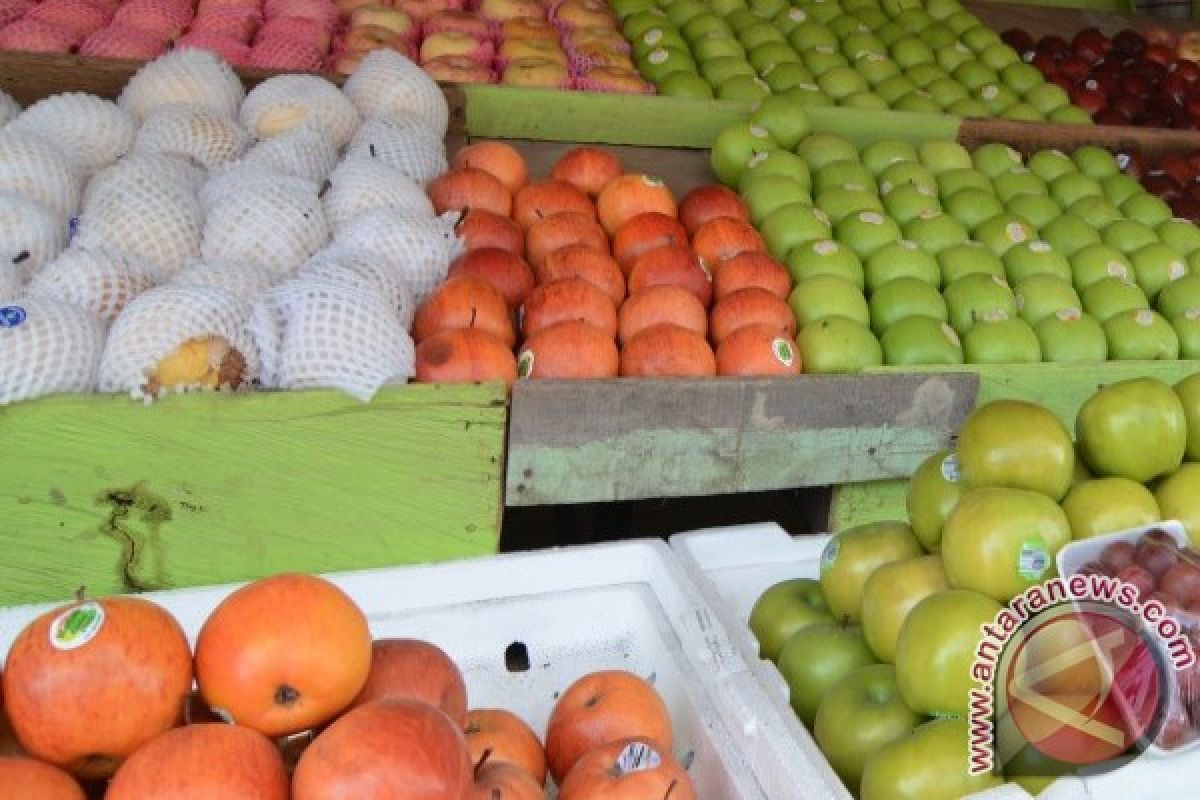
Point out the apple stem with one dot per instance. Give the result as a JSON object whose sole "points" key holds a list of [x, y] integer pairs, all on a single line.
{"points": [[671, 788], [474, 312], [482, 760], [80, 594]]}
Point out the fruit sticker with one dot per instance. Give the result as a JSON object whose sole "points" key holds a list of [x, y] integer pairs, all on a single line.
{"points": [[950, 468], [1144, 317], [829, 554], [11, 316], [1176, 270], [1069, 314], [1118, 270], [1033, 559], [76, 626], [825, 247], [783, 351], [637, 757], [797, 15], [525, 364]]}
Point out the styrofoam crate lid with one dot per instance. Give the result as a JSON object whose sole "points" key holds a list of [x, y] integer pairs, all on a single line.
{"points": [[733, 565], [563, 613]]}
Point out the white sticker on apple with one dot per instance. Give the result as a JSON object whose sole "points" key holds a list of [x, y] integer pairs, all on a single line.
{"points": [[653, 36], [1118, 270], [1016, 232], [1000, 281], [909, 244], [638, 756], [1069, 314], [1176, 271], [825, 247], [757, 159], [990, 91], [871, 217], [1192, 314], [950, 333], [758, 132], [950, 468], [797, 15], [885, 188], [1144, 317], [658, 56], [1040, 247]]}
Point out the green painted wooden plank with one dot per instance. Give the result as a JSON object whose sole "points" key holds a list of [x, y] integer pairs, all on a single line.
{"points": [[107, 493], [1104, 6]]}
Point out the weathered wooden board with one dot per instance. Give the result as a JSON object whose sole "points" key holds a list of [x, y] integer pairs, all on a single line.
{"points": [[572, 442], [1062, 388], [107, 493]]}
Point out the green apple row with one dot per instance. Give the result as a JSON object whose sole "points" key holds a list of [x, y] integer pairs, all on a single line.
{"points": [[864, 54], [929, 254]]}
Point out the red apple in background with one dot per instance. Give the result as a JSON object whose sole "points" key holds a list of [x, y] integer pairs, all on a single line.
{"points": [[1018, 40], [1053, 44], [1129, 43], [1046, 62], [1186, 208], [1161, 185], [1175, 167], [481, 228], [1074, 67], [1139, 577], [1152, 119], [1135, 84], [1189, 70], [1135, 165], [507, 272], [1064, 81], [1182, 581], [1160, 35], [1090, 100], [1090, 44], [1176, 86], [410, 669], [1153, 71], [1159, 54], [1156, 555], [1104, 83], [1127, 104], [1117, 556], [710, 202]]}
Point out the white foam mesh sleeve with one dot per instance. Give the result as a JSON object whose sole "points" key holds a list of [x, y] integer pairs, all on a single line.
{"points": [[246, 281], [183, 77], [192, 132], [34, 167], [418, 249], [404, 143], [284, 102], [95, 132], [361, 184], [98, 281], [386, 83], [361, 268], [30, 234], [53, 348], [304, 152]]}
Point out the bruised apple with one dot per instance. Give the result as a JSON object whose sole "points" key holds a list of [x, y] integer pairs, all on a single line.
{"points": [[570, 299], [465, 302], [498, 159], [389, 750], [415, 670], [668, 351], [505, 738], [479, 229], [27, 779], [568, 349], [601, 708], [206, 362], [710, 202], [196, 762], [500, 781], [467, 187], [544, 198], [624, 197], [283, 654], [588, 169], [646, 232], [86, 685], [633, 767], [655, 305], [466, 355], [505, 271], [587, 263]]}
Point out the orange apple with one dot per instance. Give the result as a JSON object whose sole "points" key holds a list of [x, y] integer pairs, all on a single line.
{"points": [[710, 202], [751, 306], [480, 228], [626, 196], [630, 768], [588, 169], [589, 263], [392, 19], [454, 43], [507, 272], [545, 49], [466, 187], [544, 198], [560, 230], [645, 232], [505, 738], [496, 781], [465, 356], [671, 265], [725, 237], [465, 302], [657, 305], [500, 159], [411, 669]]}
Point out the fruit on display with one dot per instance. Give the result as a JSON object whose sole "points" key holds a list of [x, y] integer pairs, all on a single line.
{"points": [[925, 765], [1018, 445], [815, 659], [415, 670], [1133, 429], [784, 609], [27, 779], [852, 556], [632, 767], [505, 738], [890, 593]]}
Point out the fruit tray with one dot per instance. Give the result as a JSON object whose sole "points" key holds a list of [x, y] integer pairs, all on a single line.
{"points": [[732, 566], [523, 627]]}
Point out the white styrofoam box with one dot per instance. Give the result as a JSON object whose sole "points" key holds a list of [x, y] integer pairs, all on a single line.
{"points": [[732, 566], [573, 611]]}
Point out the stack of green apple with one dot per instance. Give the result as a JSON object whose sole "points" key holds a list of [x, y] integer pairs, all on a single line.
{"points": [[878, 652], [929, 254], [865, 54]]}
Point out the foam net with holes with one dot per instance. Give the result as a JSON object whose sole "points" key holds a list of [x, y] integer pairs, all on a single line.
{"points": [[98, 281], [360, 268], [30, 234], [95, 132], [418, 249], [243, 280], [304, 152], [318, 334], [362, 184], [34, 167], [8, 109], [187, 77], [280, 104], [402, 142], [192, 132], [386, 84], [47, 346], [12, 282]]}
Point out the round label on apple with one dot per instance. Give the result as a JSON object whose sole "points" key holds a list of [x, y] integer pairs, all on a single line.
{"points": [[704, 266], [1192, 314], [757, 159], [1016, 232], [638, 756], [854, 187], [829, 554], [758, 132], [1069, 314], [821, 215], [950, 468], [962, 48], [767, 70], [1019, 300], [784, 351], [1014, 156], [658, 56], [824, 49], [797, 15], [76, 626], [909, 244], [1118, 270], [1176, 270], [871, 217], [826, 247], [874, 57], [999, 281], [1123, 160], [990, 91], [1144, 317], [653, 36], [1033, 559], [1018, 170], [1040, 247], [760, 83], [525, 364], [885, 188]]}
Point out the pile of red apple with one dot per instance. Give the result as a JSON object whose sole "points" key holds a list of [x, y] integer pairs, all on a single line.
{"points": [[565, 44], [1174, 177], [591, 257], [294, 699], [1128, 79]]}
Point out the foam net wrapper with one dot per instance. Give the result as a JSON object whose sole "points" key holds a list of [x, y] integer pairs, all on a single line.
{"points": [[144, 170], [363, 184], [47, 346], [317, 334], [34, 167], [418, 249], [183, 77], [304, 152], [30, 234], [100, 282], [386, 84], [95, 132], [280, 104], [360, 268], [273, 221], [157, 322], [12, 283], [192, 132], [8, 109], [246, 281], [403, 142]]}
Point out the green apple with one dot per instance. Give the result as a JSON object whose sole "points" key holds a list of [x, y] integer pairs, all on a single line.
{"points": [[861, 714], [1107, 505], [842, 202], [627, 8], [945, 11], [901, 259], [979, 38], [1179, 297], [928, 765], [838, 345], [876, 68], [942, 155], [1146, 209], [820, 60], [684, 84], [939, 35], [1022, 79], [769, 55], [1003, 232], [889, 33], [903, 172], [1095, 161], [908, 201], [892, 89], [968, 258], [1180, 234], [1038, 210], [975, 75], [961, 21], [933, 492], [808, 95], [701, 24], [1035, 258], [1156, 265], [935, 231], [811, 34], [1178, 497], [1047, 98], [841, 81], [815, 659], [995, 159], [820, 149], [847, 25], [1070, 115], [937, 643], [904, 297], [1000, 56], [1068, 233], [951, 57], [1187, 328], [891, 592], [918, 102], [1141, 335], [741, 18], [1128, 235], [716, 46], [1096, 261], [718, 70], [1017, 445], [727, 7], [735, 146], [1001, 541], [1022, 112], [883, 153], [824, 10], [1188, 391], [863, 43], [664, 61], [867, 231], [1095, 211], [656, 38], [792, 225], [953, 181], [1108, 297], [770, 192], [784, 609], [1016, 182], [978, 296], [865, 101], [639, 22], [1067, 189], [767, 8], [789, 19], [825, 257], [760, 33], [920, 341], [946, 92], [824, 296], [680, 12], [1041, 295], [972, 206], [852, 555], [1119, 188], [1070, 336], [774, 162], [998, 339], [910, 52], [743, 88], [1132, 429], [786, 75], [871, 15], [1051, 164], [850, 173]]}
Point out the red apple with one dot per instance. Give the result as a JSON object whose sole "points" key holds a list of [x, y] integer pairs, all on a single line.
{"points": [[1186, 208], [1128, 43], [1053, 44], [1183, 581], [1018, 40], [1176, 86], [1129, 105], [1156, 556], [1117, 556], [1090, 100], [1074, 67], [1159, 35], [1189, 70], [1161, 185], [1159, 54], [1090, 44], [1136, 84], [1139, 577], [1046, 62], [1109, 116], [411, 669]]}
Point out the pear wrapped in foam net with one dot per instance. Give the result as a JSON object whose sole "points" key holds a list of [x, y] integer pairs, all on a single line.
{"points": [[12, 283], [93, 131], [304, 152], [47, 346], [243, 280], [363, 269], [282, 103], [30, 234], [8, 109], [363, 184], [143, 170], [34, 167], [273, 221], [387, 84], [418, 249], [98, 281], [179, 338], [314, 333], [403, 142], [192, 132], [183, 77]]}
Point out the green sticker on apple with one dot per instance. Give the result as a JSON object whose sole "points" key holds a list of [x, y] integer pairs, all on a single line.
{"points": [[829, 554]]}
